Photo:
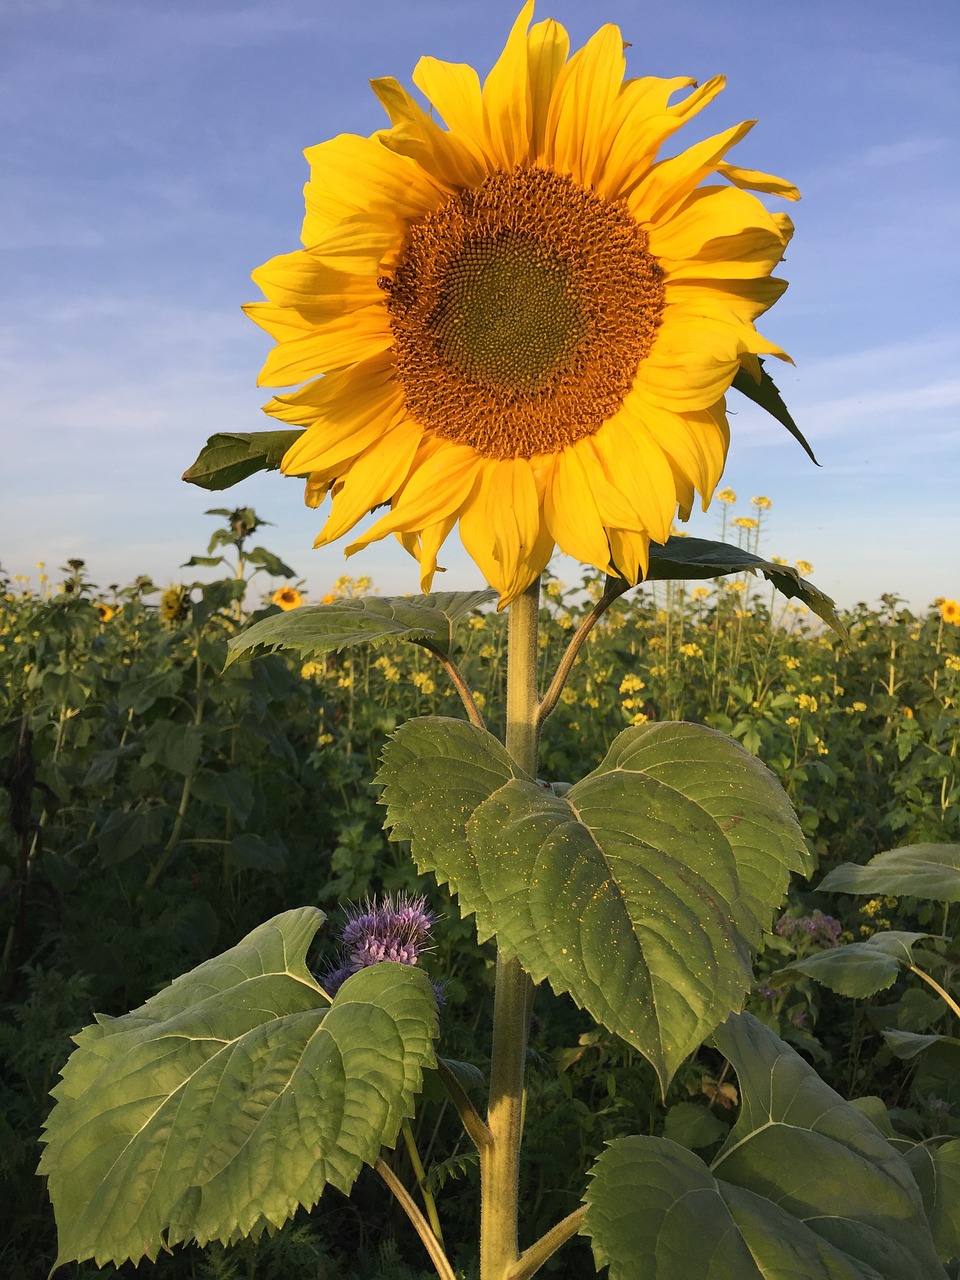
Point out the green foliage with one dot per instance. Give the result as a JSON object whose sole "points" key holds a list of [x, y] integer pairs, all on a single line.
{"points": [[766, 394], [921, 870], [237, 1061], [126, 858], [640, 891], [803, 1186], [692, 558], [231, 456], [370, 621]]}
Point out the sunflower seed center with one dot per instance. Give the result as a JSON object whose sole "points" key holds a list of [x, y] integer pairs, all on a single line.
{"points": [[521, 310]]}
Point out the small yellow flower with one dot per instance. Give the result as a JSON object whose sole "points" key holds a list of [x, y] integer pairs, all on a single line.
{"points": [[806, 702], [477, 624], [727, 496], [950, 612], [488, 651], [639, 718], [699, 593], [777, 560], [631, 684], [792, 721], [325, 739], [791, 663], [480, 699], [822, 748], [691, 651], [860, 706], [568, 696], [761, 503], [311, 669], [287, 598], [746, 522], [423, 682], [953, 663], [804, 568], [329, 598], [907, 713], [735, 588]]}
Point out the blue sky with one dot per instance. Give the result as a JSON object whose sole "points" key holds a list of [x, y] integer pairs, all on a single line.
{"points": [[151, 158]]}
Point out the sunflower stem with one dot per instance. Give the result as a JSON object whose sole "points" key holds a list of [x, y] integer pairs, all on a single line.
{"points": [[513, 999]]}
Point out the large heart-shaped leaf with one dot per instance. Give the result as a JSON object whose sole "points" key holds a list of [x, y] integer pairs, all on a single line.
{"points": [[937, 1171], [640, 891], [232, 1097], [920, 870], [373, 620], [805, 1188]]}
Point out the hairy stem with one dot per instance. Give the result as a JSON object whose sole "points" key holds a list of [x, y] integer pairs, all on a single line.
{"points": [[613, 589], [476, 1130], [430, 1242], [513, 999], [459, 683], [944, 995], [532, 1259]]}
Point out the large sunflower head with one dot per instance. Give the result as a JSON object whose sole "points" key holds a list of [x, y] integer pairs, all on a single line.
{"points": [[523, 323]]}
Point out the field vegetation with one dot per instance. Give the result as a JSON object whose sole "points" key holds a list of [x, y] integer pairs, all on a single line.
{"points": [[159, 808]]}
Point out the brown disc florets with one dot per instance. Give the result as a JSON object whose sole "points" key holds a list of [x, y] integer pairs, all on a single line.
{"points": [[521, 309]]}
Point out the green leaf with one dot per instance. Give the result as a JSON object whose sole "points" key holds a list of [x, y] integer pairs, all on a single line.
{"points": [[701, 558], [230, 456], [126, 832], [692, 1126], [937, 1171], [232, 1097], [805, 1188], [251, 851], [909, 1044], [862, 968], [273, 565], [765, 394], [374, 620], [920, 870], [173, 746], [640, 891]]}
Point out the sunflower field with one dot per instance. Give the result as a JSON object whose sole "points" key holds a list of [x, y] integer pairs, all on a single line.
{"points": [[159, 807]]}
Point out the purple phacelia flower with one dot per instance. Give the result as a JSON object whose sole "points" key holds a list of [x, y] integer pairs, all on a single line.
{"points": [[387, 930]]}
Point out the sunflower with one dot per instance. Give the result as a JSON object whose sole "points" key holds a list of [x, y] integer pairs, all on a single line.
{"points": [[287, 598], [523, 323], [950, 612]]}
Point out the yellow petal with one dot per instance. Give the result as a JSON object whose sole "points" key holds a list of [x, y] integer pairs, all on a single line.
{"points": [[366, 176], [501, 527], [547, 47], [454, 89], [753, 180], [572, 515], [302, 281], [440, 481], [353, 413], [344, 340], [708, 215], [506, 99], [718, 299], [584, 92], [641, 123], [635, 461], [431, 540], [630, 552], [691, 365], [671, 181], [416, 135], [372, 479]]}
